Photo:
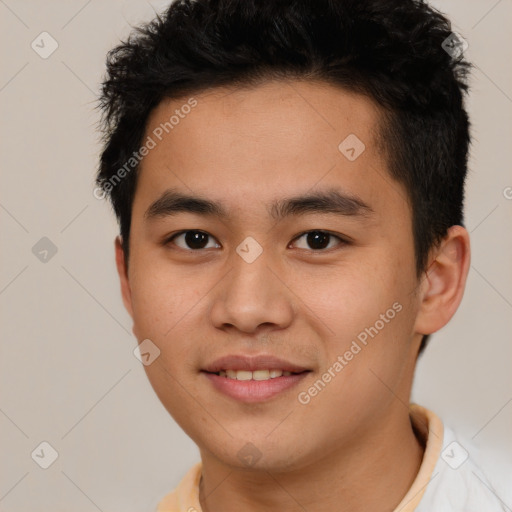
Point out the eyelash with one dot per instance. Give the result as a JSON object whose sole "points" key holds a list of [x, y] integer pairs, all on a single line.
{"points": [[343, 241]]}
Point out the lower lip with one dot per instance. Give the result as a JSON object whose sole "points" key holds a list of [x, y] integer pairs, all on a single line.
{"points": [[252, 391]]}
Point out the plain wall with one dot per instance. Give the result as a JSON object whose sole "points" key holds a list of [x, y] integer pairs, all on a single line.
{"points": [[68, 374]]}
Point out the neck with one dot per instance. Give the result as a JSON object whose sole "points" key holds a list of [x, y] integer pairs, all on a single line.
{"points": [[371, 474]]}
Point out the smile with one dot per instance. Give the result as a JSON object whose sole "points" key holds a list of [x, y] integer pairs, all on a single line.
{"points": [[255, 375], [254, 386]]}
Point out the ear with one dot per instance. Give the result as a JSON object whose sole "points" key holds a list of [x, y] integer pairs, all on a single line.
{"points": [[123, 276], [444, 281]]}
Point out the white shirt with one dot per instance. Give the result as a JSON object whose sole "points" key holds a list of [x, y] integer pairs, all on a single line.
{"points": [[452, 477]]}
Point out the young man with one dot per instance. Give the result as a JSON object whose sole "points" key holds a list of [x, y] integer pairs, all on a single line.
{"points": [[288, 177]]}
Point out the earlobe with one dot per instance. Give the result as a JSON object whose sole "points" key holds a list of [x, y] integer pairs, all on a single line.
{"points": [[444, 281], [123, 276]]}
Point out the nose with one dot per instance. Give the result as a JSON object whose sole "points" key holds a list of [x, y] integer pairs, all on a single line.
{"points": [[252, 297]]}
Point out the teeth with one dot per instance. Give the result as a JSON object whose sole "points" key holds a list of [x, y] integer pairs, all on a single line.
{"points": [[261, 375], [255, 375], [243, 375]]}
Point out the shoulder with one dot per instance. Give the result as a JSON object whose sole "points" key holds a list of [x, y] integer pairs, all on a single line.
{"points": [[467, 479], [185, 498]]}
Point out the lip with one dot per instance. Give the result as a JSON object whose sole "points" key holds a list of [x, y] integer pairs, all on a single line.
{"points": [[251, 391], [253, 363]]}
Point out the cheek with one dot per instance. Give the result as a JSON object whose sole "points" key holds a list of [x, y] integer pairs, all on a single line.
{"points": [[160, 297], [169, 307], [348, 300], [164, 305], [369, 312]]}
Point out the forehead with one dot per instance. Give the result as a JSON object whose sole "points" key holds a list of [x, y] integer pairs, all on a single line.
{"points": [[251, 143], [291, 118]]}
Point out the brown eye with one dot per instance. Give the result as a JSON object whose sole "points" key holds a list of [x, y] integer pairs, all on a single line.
{"points": [[193, 240], [319, 240]]}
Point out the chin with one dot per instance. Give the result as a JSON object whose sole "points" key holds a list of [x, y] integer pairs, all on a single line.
{"points": [[259, 454]]}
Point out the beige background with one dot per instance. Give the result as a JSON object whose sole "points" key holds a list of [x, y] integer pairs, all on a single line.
{"points": [[68, 374]]}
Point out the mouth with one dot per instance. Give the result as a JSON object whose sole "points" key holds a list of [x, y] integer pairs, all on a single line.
{"points": [[245, 375], [253, 387], [253, 379]]}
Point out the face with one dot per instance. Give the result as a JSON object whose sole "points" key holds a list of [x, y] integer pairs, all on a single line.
{"points": [[296, 254]]}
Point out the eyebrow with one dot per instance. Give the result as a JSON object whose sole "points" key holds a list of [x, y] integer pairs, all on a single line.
{"points": [[173, 202]]}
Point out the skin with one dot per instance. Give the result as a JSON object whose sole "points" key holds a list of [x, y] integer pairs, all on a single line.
{"points": [[245, 148]]}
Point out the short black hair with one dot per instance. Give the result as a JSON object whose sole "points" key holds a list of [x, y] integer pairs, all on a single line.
{"points": [[392, 51]]}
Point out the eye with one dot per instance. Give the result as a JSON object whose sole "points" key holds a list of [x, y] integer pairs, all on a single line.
{"points": [[195, 240], [319, 240]]}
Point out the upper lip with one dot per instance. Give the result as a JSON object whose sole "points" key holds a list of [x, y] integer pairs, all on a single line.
{"points": [[252, 363]]}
